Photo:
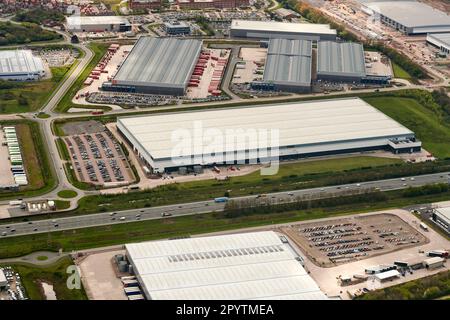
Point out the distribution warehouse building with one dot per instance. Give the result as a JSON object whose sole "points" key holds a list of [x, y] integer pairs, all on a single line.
{"points": [[410, 17], [248, 266], [281, 30], [98, 24], [340, 61], [20, 65], [288, 66], [157, 66], [441, 216], [295, 130], [441, 41]]}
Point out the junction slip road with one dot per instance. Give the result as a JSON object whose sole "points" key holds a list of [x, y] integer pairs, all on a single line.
{"points": [[162, 212]]}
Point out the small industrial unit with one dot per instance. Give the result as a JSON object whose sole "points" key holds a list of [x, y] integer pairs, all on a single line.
{"points": [[157, 66], [281, 30], [20, 65], [305, 129], [97, 24], [256, 265]]}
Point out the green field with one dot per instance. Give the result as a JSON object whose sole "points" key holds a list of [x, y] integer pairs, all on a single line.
{"points": [[54, 274], [399, 72], [29, 96], [99, 50], [428, 126], [432, 287]]}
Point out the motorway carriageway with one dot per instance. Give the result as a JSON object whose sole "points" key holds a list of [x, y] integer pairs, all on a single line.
{"points": [[109, 218]]}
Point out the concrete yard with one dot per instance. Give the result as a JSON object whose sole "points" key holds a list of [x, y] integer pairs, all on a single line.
{"points": [[6, 176], [249, 56], [202, 90], [110, 70], [99, 278], [379, 65]]}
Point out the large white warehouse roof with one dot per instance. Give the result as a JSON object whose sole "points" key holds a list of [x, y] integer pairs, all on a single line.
{"points": [[14, 62], [298, 123], [240, 266]]}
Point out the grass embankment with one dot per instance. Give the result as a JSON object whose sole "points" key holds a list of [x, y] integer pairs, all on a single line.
{"points": [[35, 156], [99, 50], [436, 286], [189, 225], [55, 274], [401, 73], [62, 204], [18, 97], [426, 123]]}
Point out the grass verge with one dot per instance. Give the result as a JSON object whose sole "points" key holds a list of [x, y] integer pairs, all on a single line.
{"points": [[99, 50]]}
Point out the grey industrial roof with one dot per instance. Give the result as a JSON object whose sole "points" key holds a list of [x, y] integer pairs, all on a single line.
{"points": [[346, 58], [290, 47], [411, 13], [288, 61], [444, 38], [255, 266], [274, 26], [298, 123], [19, 61], [162, 61]]}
